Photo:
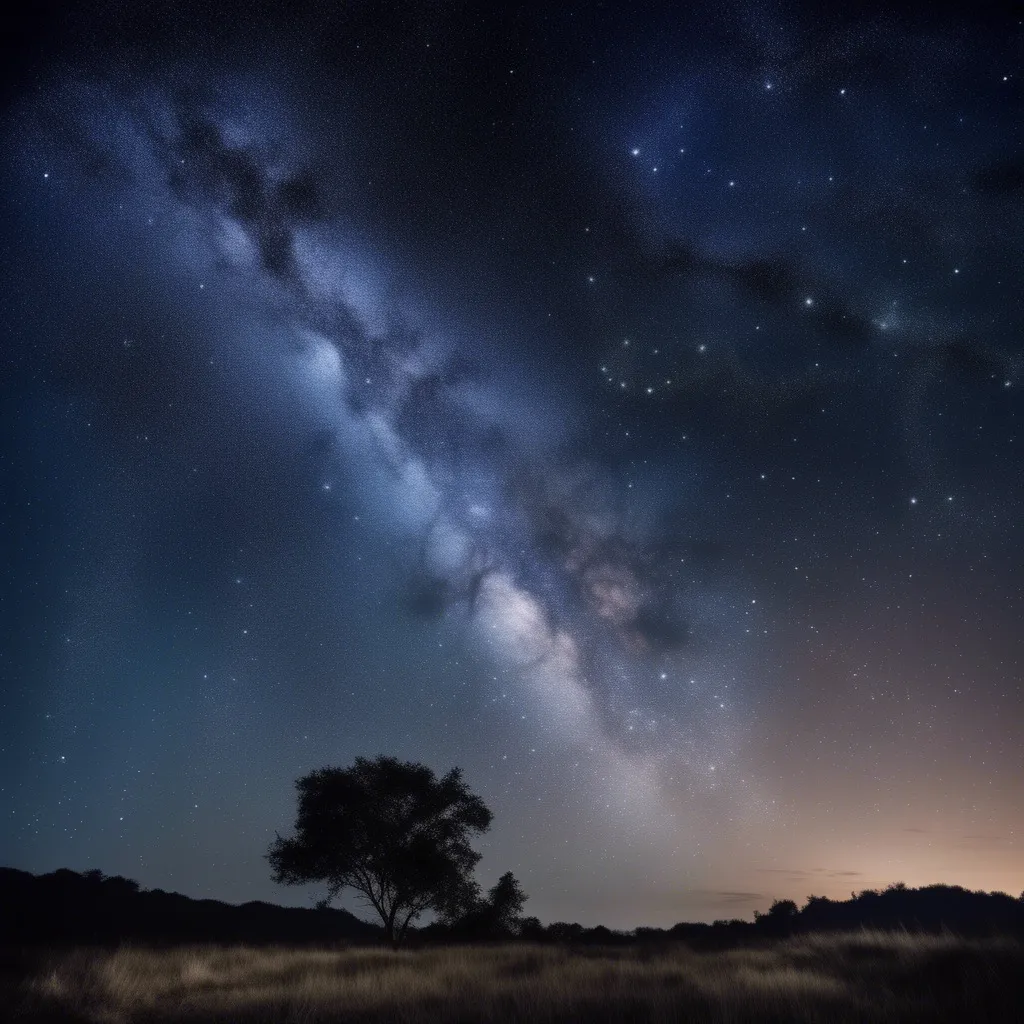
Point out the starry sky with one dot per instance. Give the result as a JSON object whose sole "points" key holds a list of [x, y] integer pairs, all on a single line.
{"points": [[621, 404]]}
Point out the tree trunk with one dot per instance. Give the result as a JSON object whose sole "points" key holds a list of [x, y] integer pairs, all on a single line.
{"points": [[402, 931]]}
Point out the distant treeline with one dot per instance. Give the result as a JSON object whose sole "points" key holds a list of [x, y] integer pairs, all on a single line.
{"points": [[932, 908], [72, 908]]}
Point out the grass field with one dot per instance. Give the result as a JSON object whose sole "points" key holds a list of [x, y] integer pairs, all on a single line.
{"points": [[860, 977]]}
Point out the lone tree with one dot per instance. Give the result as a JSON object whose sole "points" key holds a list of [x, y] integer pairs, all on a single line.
{"points": [[392, 831]]}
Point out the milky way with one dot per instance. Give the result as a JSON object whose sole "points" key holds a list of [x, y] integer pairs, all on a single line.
{"points": [[624, 411]]}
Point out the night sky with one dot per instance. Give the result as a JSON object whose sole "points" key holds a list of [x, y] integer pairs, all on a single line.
{"points": [[620, 403]]}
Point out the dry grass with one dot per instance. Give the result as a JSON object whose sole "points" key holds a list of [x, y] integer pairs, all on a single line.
{"points": [[819, 978]]}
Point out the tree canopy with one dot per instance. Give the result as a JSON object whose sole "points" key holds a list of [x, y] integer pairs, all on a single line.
{"points": [[390, 830]]}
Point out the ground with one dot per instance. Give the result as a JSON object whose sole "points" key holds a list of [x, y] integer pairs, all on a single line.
{"points": [[864, 976]]}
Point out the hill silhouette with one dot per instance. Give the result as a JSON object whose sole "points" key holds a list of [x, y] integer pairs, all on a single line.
{"points": [[68, 907]]}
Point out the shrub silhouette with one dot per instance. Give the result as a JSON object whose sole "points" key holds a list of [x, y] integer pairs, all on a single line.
{"points": [[496, 916], [780, 919]]}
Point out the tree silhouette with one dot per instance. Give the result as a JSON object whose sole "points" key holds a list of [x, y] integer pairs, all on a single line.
{"points": [[390, 830]]}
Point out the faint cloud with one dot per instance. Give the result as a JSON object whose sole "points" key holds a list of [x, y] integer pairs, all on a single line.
{"points": [[731, 897]]}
